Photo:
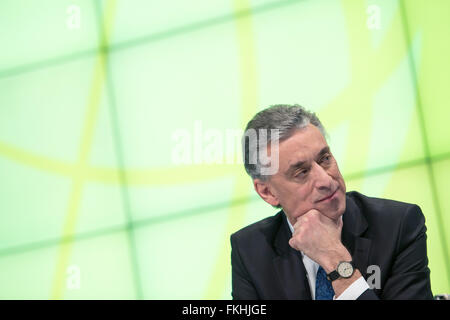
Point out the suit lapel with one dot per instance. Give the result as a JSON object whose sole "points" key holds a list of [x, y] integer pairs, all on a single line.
{"points": [[289, 266], [354, 226]]}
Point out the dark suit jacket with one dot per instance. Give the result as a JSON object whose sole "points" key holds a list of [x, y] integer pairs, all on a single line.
{"points": [[386, 233]]}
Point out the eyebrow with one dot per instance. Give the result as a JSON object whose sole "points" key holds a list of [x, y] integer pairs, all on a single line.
{"points": [[300, 164]]}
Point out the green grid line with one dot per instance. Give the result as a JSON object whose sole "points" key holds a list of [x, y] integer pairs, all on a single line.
{"points": [[43, 64], [183, 214], [134, 225], [154, 37], [424, 136], [114, 118], [396, 166]]}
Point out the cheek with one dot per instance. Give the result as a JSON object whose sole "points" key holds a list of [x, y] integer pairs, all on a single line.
{"points": [[303, 200], [292, 190], [342, 183], [295, 199], [338, 176]]}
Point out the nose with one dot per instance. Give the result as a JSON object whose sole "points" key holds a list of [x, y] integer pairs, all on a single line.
{"points": [[323, 180]]}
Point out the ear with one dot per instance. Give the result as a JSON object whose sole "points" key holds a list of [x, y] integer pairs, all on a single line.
{"points": [[263, 188]]}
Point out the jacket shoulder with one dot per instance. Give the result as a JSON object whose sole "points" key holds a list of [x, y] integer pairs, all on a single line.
{"points": [[385, 212], [265, 228], [376, 202]]}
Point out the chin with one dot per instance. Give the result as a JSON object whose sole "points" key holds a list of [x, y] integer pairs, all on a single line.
{"points": [[335, 215], [334, 212], [341, 205]]}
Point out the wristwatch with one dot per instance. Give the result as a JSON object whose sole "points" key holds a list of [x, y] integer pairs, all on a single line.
{"points": [[344, 269]]}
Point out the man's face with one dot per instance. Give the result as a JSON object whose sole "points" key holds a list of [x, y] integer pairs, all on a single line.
{"points": [[308, 176]]}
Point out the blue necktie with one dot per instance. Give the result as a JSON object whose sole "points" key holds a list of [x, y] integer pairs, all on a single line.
{"points": [[324, 289]]}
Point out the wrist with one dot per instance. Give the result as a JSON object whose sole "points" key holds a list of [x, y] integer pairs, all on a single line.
{"points": [[332, 260], [341, 284]]}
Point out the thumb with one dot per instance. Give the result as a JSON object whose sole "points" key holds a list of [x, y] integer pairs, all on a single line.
{"points": [[291, 243]]}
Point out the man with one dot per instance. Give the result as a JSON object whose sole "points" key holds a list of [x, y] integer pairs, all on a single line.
{"points": [[324, 243]]}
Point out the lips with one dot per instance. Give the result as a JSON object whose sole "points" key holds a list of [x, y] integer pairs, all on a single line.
{"points": [[329, 196]]}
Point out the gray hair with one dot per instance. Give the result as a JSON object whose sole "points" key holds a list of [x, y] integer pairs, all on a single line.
{"points": [[284, 118]]}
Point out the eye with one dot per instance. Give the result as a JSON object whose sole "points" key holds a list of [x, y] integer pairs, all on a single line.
{"points": [[301, 173], [326, 158]]}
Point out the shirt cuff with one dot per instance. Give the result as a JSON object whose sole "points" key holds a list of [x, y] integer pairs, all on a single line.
{"points": [[353, 292]]}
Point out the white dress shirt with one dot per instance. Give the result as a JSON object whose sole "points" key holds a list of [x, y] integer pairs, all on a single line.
{"points": [[351, 293]]}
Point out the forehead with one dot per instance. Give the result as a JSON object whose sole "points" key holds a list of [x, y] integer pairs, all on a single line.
{"points": [[303, 145]]}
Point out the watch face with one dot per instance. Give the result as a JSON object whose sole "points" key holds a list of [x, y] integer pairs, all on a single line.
{"points": [[345, 269]]}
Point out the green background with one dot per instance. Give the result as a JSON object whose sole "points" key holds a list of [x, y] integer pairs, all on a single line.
{"points": [[87, 117]]}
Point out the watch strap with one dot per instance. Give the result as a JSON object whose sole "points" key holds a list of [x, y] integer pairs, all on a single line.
{"points": [[333, 275]]}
